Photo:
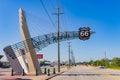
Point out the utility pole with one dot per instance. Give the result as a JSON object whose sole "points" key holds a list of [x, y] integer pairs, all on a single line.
{"points": [[58, 15], [105, 59], [105, 55], [69, 52], [72, 57]]}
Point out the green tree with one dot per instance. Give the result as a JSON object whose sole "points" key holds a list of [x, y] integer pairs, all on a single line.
{"points": [[115, 61], [97, 63]]}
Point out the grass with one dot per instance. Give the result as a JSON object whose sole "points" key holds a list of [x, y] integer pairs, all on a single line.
{"points": [[69, 67], [114, 67]]}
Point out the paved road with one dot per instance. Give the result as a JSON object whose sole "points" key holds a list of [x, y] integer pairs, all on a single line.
{"points": [[89, 73]]}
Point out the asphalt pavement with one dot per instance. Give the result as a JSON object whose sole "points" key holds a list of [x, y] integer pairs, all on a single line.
{"points": [[89, 73]]}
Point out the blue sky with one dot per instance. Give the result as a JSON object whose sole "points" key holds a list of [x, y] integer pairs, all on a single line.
{"points": [[102, 16]]}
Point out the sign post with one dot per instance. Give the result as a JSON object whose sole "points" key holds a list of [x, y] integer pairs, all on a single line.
{"points": [[39, 56]]}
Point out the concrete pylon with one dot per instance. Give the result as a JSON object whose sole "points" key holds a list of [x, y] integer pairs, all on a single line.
{"points": [[29, 50]]}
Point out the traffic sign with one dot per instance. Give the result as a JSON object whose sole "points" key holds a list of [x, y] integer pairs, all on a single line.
{"points": [[84, 33], [39, 56]]}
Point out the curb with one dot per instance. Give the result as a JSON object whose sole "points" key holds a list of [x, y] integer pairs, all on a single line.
{"points": [[54, 75]]}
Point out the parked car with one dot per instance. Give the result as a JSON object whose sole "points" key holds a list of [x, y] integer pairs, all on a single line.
{"points": [[101, 67], [51, 65], [5, 65]]}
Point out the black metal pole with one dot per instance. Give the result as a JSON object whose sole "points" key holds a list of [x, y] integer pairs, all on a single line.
{"points": [[48, 72], [45, 71], [12, 72]]}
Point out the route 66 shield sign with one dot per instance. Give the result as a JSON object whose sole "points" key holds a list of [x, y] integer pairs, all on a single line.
{"points": [[84, 33]]}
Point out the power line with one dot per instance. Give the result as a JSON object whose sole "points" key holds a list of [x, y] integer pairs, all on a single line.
{"points": [[53, 5], [63, 19], [47, 13], [34, 23]]}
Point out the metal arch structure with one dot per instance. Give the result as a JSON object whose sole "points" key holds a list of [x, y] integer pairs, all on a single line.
{"points": [[43, 41]]}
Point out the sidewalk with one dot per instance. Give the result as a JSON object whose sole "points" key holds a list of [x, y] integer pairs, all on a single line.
{"points": [[7, 76], [45, 77]]}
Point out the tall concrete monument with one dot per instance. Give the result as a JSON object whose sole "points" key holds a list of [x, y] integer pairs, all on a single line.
{"points": [[31, 57]]}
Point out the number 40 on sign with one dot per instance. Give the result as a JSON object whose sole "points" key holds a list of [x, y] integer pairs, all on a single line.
{"points": [[84, 33]]}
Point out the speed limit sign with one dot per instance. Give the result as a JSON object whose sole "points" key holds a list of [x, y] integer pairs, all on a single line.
{"points": [[84, 33]]}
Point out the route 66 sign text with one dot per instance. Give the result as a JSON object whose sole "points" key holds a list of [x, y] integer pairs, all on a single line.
{"points": [[84, 33]]}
